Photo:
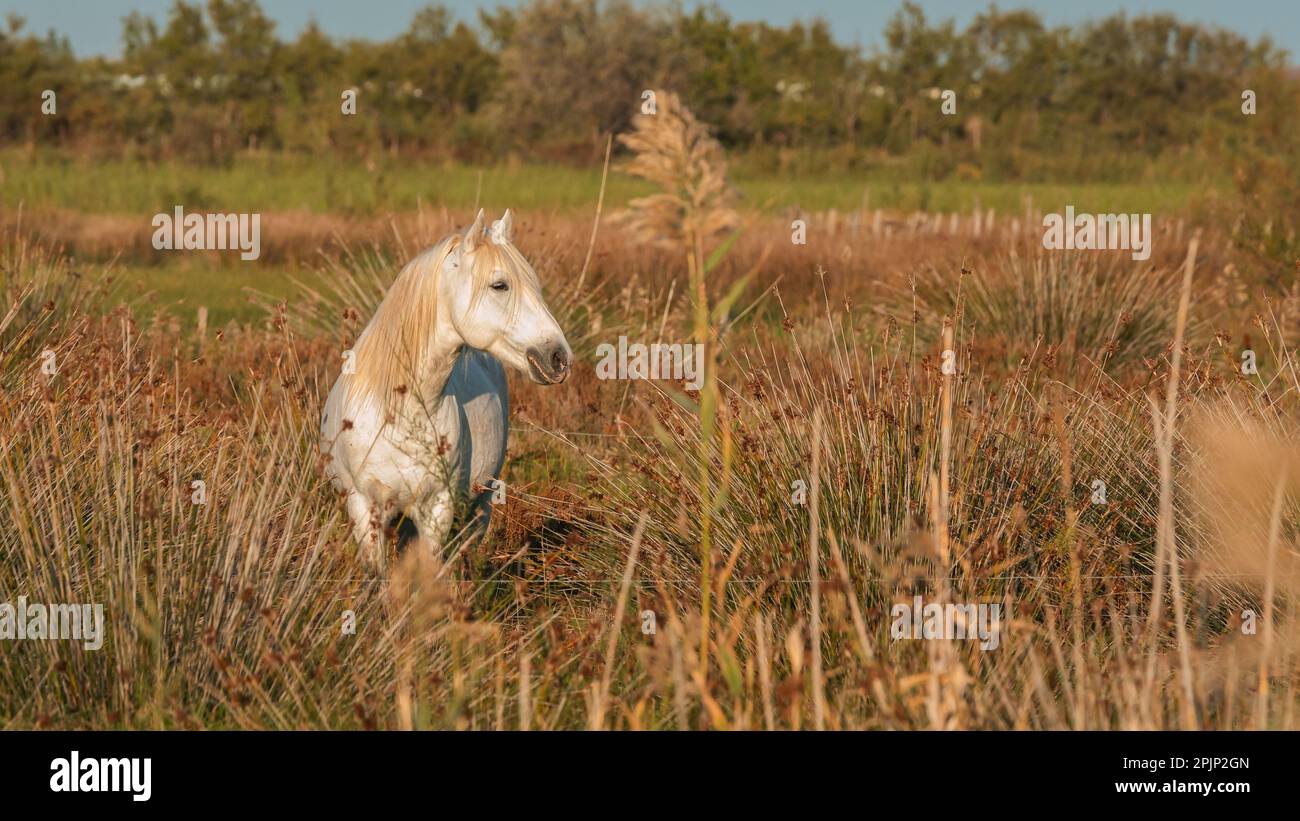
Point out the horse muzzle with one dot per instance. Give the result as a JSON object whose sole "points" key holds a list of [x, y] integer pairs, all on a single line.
{"points": [[549, 365]]}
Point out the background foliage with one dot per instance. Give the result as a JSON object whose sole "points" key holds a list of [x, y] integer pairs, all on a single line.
{"points": [[1108, 99]]}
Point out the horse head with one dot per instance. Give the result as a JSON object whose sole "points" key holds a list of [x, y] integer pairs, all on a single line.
{"points": [[494, 301]]}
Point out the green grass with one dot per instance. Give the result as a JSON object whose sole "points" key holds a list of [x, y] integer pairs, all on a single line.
{"points": [[260, 183], [287, 183], [846, 193], [183, 287]]}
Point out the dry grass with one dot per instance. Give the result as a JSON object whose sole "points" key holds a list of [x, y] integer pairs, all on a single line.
{"points": [[974, 486], [675, 151]]}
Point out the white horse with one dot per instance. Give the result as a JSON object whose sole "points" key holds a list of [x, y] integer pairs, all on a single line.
{"points": [[420, 414]]}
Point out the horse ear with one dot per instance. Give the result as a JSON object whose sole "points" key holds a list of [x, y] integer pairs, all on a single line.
{"points": [[503, 229], [475, 233]]}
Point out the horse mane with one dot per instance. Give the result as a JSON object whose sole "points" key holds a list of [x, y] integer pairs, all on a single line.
{"points": [[393, 350]]}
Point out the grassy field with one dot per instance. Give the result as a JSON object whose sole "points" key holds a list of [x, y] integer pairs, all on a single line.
{"points": [[361, 188], [226, 614], [970, 483], [229, 292], [112, 201]]}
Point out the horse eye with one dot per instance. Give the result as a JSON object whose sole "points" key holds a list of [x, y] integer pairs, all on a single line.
{"points": [[500, 286]]}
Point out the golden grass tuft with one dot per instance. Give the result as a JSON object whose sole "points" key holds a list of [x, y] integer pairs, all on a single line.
{"points": [[675, 151]]}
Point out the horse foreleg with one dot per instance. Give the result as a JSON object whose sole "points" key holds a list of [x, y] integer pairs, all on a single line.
{"points": [[366, 527], [433, 518]]}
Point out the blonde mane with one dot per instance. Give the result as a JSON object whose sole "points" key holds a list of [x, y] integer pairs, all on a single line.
{"points": [[392, 351]]}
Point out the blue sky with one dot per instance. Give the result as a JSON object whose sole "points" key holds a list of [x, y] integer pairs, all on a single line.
{"points": [[94, 26]]}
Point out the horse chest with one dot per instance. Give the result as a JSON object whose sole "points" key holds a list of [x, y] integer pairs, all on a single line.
{"points": [[460, 443], [405, 460]]}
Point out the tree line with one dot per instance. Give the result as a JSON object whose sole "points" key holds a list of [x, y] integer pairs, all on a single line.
{"points": [[550, 79]]}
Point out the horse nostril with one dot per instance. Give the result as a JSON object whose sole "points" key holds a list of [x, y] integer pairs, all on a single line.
{"points": [[559, 360]]}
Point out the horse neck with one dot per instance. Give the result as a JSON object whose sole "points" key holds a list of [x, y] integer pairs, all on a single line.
{"points": [[440, 355], [410, 346]]}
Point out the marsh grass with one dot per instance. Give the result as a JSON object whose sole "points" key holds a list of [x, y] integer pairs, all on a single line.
{"points": [[1079, 308], [230, 613]]}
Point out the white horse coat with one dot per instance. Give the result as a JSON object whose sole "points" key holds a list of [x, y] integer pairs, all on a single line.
{"points": [[421, 417]]}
